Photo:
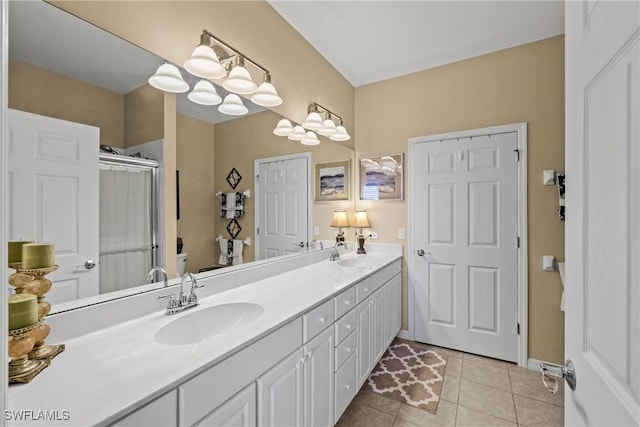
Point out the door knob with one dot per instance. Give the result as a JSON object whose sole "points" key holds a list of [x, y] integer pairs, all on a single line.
{"points": [[88, 264], [421, 252], [551, 372]]}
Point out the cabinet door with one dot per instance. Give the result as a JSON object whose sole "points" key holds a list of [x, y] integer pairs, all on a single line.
{"points": [[161, 412], [239, 411], [364, 315], [378, 326], [392, 312], [318, 380], [280, 393]]}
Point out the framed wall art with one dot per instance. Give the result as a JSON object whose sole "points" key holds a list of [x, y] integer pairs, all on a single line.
{"points": [[332, 181], [381, 177]]}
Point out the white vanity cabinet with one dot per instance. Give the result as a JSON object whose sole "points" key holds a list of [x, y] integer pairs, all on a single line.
{"points": [[159, 413], [239, 411]]}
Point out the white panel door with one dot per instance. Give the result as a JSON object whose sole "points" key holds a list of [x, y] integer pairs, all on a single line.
{"points": [[378, 328], [465, 231], [54, 196], [318, 380], [282, 208], [364, 314], [602, 319]]}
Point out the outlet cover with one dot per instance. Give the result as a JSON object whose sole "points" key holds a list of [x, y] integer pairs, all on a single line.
{"points": [[374, 234], [316, 230]]}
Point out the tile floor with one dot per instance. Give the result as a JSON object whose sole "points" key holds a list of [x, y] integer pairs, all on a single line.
{"points": [[477, 391]]}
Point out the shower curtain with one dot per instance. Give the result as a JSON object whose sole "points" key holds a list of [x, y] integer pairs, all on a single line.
{"points": [[126, 236]]}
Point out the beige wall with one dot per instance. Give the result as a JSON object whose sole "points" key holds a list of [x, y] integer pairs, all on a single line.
{"points": [[522, 84], [239, 142], [144, 115], [194, 151], [39, 91]]}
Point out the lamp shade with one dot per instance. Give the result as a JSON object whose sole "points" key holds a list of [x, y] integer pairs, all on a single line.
{"points": [[328, 129], [298, 134], [240, 81], [310, 139], [313, 121], [266, 96], [233, 106], [340, 135], [204, 63], [168, 79], [339, 219], [361, 220], [204, 93], [283, 128]]}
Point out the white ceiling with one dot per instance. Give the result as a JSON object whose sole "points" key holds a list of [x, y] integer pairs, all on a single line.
{"points": [[369, 41]]}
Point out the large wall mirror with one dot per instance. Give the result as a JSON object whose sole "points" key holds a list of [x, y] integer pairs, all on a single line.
{"points": [[68, 73]]}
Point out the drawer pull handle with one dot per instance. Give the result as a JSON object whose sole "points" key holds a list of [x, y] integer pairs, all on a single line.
{"points": [[323, 319]]}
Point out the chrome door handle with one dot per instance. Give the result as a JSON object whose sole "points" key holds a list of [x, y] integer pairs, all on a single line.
{"points": [[421, 252], [88, 264], [551, 372]]}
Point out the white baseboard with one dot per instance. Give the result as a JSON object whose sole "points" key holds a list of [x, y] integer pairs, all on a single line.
{"points": [[404, 334]]}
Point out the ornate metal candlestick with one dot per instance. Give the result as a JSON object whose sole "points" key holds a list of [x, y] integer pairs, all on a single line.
{"points": [[34, 282], [22, 369]]}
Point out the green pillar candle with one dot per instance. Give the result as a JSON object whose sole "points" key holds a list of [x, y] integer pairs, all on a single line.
{"points": [[15, 249], [23, 311], [38, 255]]}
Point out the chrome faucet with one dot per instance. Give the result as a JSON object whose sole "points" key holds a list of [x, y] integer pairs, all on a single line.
{"points": [[162, 271], [184, 301], [313, 242], [335, 254]]}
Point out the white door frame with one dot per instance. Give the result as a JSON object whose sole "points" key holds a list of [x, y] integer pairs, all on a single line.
{"points": [[4, 86], [256, 170], [523, 283]]}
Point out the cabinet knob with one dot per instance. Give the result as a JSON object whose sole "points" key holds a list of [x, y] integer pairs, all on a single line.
{"points": [[348, 326], [348, 349], [347, 302], [323, 319], [347, 386]]}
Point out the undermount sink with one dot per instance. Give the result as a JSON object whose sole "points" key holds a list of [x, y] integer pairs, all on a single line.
{"points": [[197, 326], [352, 263]]}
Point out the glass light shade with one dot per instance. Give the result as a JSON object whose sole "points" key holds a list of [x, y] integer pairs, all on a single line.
{"points": [[205, 63], [204, 93], [298, 134], [313, 121], [328, 129], [340, 135], [240, 81], [361, 220], [266, 96], [168, 78], [233, 106], [283, 128], [310, 139], [340, 219]]}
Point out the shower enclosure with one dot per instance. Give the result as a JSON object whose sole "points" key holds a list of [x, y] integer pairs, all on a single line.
{"points": [[128, 220]]}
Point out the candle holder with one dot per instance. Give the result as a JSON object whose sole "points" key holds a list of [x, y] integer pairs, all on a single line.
{"points": [[34, 282], [22, 369]]}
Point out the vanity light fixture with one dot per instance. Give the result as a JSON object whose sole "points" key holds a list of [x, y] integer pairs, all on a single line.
{"points": [[204, 93], [169, 79], [340, 134], [313, 120], [204, 62], [266, 94], [233, 106], [339, 221], [298, 133], [361, 222], [239, 80], [310, 139], [327, 127], [283, 128]]}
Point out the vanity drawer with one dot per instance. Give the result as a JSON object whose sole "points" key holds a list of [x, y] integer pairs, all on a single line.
{"points": [[316, 320], [345, 326], [345, 349], [345, 385], [397, 266], [345, 301], [382, 277], [363, 289]]}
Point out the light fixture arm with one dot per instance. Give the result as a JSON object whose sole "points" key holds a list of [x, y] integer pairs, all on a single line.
{"points": [[314, 107], [206, 37]]}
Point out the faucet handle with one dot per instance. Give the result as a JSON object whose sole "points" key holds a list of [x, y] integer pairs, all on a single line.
{"points": [[173, 302]]}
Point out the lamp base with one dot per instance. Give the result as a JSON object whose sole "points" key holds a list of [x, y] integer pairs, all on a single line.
{"points": [[360, 249], [340, 237]]}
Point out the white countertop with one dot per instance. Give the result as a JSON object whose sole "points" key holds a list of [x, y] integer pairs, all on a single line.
{"points": [[104, 375]]}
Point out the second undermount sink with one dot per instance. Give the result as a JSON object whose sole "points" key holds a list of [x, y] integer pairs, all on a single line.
{"points": [[199, 325], [353, 262]]}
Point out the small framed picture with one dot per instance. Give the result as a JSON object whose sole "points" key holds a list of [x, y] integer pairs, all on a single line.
{"points": [[332, 181], [381, 177]]}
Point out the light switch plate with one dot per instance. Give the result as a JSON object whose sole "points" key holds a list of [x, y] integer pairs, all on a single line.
{"points": [[316, 230], [549, 177], [402, 234]]}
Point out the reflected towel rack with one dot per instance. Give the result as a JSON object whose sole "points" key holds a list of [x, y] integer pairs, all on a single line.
{"points": [[246, 242]]}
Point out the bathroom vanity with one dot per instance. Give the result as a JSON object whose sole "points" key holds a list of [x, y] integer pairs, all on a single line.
{"points": [[289, 342]]}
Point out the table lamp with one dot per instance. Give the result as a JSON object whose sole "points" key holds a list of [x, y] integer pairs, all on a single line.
{"points": [[340, 220], [361, 222]]}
